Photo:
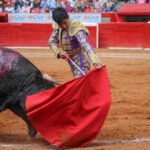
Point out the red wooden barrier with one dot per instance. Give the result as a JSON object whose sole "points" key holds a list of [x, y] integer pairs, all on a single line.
{"points": [[26, 35], [3, 17], [19, 34], [147, 35], [110, 34], [124, 35]]}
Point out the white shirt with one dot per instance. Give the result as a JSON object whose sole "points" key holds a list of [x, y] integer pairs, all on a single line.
{"points": [[9, 9], [72, 3]]}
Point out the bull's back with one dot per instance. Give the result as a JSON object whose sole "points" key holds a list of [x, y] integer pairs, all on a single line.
{"points": [[8, 59]]}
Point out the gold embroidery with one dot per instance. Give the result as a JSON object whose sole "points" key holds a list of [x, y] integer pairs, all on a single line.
{"points": [[64, 41], [59, 34], [83, 40], [69, 47], [64, 47], [88, 46], [55, 49], [64, 33], [76, 26], [75, 51], [94, 58], [55, 25], [68, 41]]}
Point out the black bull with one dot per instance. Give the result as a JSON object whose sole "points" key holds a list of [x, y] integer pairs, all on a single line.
{"points": [[18, 79]]}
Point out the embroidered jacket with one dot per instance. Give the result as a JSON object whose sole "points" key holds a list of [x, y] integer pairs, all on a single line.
{"points": [[72, 41]]}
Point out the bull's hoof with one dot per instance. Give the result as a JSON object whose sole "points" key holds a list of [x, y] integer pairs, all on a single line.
{"points": [[32, 133]]}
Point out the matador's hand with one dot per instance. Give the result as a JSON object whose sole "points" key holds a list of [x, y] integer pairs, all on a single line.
{"points": [[98, 65], [62, 54]]}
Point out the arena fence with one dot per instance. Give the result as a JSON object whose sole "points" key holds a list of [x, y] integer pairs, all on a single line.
{"points": [[109, 35]]}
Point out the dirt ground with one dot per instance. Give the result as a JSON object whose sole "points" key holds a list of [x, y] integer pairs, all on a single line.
{"points": [[127, 126]]}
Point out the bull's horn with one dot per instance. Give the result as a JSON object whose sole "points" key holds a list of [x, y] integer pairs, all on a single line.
{"points": [[49, 78]]}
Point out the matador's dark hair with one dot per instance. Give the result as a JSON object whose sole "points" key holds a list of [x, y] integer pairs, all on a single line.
{"points": [[59, 15]]}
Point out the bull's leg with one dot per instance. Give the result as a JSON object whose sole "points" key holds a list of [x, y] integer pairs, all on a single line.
{"points": [[19, 112]]}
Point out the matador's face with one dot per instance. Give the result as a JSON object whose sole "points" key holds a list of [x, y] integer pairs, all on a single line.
{"points": [[64, 24]]}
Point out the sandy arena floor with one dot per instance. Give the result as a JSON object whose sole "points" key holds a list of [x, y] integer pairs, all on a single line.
{"points": [[127, 126]]}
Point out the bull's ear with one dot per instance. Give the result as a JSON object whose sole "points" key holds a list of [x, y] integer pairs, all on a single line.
{"points": [[49, 78]]}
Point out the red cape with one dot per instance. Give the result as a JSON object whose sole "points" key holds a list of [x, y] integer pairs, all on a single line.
{"points": [[72, 114]]}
